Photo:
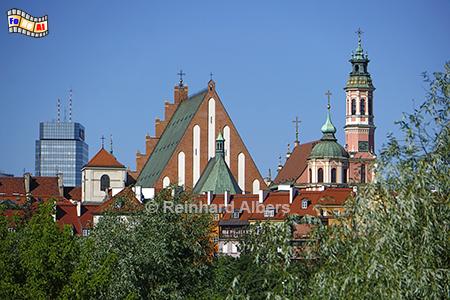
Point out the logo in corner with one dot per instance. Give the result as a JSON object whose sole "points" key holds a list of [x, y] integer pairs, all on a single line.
{"points": [[21, 22]]}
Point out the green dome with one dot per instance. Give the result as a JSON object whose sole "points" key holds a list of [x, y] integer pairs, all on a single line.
{"points": [[328, 149]]}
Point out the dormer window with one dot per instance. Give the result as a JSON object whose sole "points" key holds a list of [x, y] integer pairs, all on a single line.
{"points": [[236, 214], [269, 212], [305, 203]]}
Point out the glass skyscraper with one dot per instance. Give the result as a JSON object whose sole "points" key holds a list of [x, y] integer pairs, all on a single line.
{"points": [[61, 149]]}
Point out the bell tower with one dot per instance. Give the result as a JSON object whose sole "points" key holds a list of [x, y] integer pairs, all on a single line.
{"points": [[359, 123]]}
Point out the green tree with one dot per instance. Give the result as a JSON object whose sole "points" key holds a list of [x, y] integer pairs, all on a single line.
{"points": [[398, 243], [37, 258], [157, 253]]}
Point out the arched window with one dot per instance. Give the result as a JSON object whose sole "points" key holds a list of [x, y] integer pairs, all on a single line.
{"points": [[370, 106], [363, 173], [362, 107], [344, 175], [353, 106], [104, 182], [333, 175], [320, 175], [310, 176]]}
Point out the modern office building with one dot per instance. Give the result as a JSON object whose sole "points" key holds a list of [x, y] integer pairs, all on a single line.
{"points": [[61, 149]]}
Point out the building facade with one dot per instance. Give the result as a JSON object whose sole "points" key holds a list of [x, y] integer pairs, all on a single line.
{"points": [[185, 141], [61, 149]]}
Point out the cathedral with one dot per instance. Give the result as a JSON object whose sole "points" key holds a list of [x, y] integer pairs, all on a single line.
{"points": [[185, 142]]}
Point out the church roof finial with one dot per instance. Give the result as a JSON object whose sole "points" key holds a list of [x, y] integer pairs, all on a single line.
{"points": [[328, 128], [181, 74], [359, 52]]}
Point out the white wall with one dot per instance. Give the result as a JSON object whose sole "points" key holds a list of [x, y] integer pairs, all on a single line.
{"points": [[226, 136], [211, 128], [241, 171], [181, 168], [91, 182], [196, 155]]}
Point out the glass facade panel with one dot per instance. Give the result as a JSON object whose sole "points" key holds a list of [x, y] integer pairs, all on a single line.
{"points": [[61, 149]]}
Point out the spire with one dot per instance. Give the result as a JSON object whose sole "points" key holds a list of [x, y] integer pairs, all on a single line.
{"points": [[103, 141], [220, 141], [328, 128], [359, 52]]}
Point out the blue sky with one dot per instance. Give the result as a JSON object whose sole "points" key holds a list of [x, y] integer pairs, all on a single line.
{"points": [[272, 61]]}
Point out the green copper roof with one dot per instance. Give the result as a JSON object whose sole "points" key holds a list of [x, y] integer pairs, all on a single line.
{"points": [[328, 147], [217, 178], [169, 140], [328, 127]]}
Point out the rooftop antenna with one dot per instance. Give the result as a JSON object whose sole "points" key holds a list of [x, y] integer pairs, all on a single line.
{"points": [[70, 105], [111, 144], [59, 110]]}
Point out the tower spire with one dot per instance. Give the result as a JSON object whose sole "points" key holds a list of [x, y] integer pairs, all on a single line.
{"points": [[328, 128], [103, 142]]}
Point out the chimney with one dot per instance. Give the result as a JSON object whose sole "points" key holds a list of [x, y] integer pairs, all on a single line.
{"points": [[27, 181], [60, 184], [180, 93]]}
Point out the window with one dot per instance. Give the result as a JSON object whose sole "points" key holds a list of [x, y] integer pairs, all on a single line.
{"points": [[353, 106], [333, 175], [269, 213], [320, 175], [310, 176], [236, 214], [305, 203], [216, 217], [104, 182], [362, 107], [86, 232], [363, 173], [344, 175], [370, 106]]}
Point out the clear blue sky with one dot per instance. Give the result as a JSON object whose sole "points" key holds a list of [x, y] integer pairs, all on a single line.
{"points": [[272, 60]]}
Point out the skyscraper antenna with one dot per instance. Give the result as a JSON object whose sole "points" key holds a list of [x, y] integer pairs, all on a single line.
{"points": [[111, 144], [59, 110], [70, 105]]}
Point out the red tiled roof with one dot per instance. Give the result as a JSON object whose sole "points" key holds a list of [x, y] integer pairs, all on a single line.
{"points": [[73, 193], [131, 203], [11, 185], [295, 164], [104, 159]]}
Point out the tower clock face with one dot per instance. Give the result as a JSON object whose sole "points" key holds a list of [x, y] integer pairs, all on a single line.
{"points": [[363, 146]]}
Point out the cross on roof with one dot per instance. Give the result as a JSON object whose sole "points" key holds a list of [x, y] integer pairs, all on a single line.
{"points": [[103, 141], [296, 122], [359, 32], [328, 94], [181, 74], [211, 75]]}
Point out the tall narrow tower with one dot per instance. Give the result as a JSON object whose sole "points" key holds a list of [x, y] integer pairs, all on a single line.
{"points": [[359, 120]]}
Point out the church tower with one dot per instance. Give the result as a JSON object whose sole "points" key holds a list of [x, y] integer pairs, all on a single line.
{"points": [[359, 120]]}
